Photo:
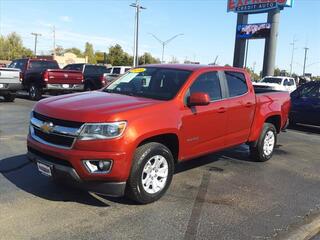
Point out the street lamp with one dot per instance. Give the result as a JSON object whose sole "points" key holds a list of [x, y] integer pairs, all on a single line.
{"points": [[35, 41], [136, 32], [164, 43]]}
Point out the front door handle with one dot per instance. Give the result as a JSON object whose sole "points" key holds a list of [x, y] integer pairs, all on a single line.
{"points": [[222, 110], [248, 104]]}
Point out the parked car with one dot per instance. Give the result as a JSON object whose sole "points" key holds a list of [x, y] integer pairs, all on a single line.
{"points": [[93, 75], [10, 83], [40, 76], [306, 104], [278, 83], [115, 72], [127, 137]]}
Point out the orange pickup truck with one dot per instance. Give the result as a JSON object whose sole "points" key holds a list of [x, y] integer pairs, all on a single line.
{"points": [[127, 138]]}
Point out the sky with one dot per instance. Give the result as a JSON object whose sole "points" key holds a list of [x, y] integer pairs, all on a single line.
{"points": [[208, 30]]}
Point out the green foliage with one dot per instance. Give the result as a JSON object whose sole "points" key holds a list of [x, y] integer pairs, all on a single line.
{"points": [[277, 72], [254, 76], [88, 52], [147, 58], [100, 57], [118, 57], [75, 51], [11, 47]]}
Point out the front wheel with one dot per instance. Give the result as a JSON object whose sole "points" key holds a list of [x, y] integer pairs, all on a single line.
{"points": [[151, 173], [262, 150]]}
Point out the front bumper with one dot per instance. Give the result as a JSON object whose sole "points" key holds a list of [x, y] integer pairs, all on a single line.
{"points": [[61, 171], [64, 87]]}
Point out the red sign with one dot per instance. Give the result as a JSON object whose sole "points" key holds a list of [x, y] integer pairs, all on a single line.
{"points": [[257, 6]]}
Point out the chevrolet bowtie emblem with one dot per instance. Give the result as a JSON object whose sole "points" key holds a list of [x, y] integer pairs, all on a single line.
{"points": [[47, 127]]}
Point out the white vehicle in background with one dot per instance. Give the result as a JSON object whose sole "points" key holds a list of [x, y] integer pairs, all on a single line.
{"points": [[10, 83], [277, 83], [115, 72]]}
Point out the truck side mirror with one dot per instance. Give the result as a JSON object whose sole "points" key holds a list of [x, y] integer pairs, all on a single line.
{"points": [[198, 99]]}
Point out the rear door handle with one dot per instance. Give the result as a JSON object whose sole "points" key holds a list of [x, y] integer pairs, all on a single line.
{"points": [[222, 110]]}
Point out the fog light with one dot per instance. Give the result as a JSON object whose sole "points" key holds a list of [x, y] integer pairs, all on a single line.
{"points": [[98, 166]]}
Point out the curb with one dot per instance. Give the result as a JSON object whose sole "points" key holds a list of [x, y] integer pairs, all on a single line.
{"points": [[304, 232]]}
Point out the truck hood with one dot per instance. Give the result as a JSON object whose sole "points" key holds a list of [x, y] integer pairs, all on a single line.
{"points": [[94, 106]]}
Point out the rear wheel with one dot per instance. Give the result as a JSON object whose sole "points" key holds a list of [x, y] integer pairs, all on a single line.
{"points": [[9, 97], [151, 173], [263, 149], [35, 92]]}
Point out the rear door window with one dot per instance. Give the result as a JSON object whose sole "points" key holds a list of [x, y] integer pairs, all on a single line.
{"points": [[116, 70], [237, 84]]}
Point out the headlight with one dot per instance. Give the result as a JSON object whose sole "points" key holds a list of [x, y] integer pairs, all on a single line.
{"points": [[91, 131]]}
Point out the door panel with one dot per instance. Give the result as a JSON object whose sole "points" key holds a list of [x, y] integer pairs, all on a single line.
{"points": [[203, 127], [241, 109]]}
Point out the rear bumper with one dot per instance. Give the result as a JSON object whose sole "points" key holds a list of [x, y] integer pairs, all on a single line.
{"points": [[69, 176], [64, 87], [10, 87]]}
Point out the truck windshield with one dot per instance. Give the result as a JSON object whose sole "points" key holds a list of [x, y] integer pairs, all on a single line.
{"points": [[272, 80], [150, 82]]}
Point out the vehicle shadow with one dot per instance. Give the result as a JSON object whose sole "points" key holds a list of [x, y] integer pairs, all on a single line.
{"points": [[24, 175], [305, 129]]}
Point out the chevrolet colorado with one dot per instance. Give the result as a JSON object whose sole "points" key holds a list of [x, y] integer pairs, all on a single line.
{"points": [[127, 138], [41, 75]]}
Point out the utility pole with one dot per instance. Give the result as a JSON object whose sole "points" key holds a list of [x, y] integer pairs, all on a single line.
{"points": [[165, 43], [292, 54], [137, 6], [54, 41], [246, 55], [305, 60], [35, 41]]}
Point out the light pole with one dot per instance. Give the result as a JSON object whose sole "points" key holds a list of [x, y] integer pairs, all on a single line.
{"points": [[54, 41], [164, 43], [35, 41], [292, 54], [136, 32], [305, 60]]}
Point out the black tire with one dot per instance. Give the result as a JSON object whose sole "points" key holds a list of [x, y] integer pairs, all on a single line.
{"points": [[9, 97], [257, 151], [144, 153], [35, 92]]}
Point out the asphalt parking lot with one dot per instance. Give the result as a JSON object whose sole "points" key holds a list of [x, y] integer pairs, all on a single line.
{"points": [[220, 196]]}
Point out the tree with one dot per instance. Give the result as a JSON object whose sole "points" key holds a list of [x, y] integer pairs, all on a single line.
{"points": [[254, 76], [277, 72], [59, 50], [100, 57], [147, 58], [88, 52], [117, 57], [75, 51], [11, 47]]}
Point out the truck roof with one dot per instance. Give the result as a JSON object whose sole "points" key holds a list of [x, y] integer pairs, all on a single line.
{"points": [[190, 67]]}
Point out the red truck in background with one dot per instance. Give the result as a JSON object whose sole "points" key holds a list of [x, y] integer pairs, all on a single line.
{"points": [[128, 137], [40, 76]]}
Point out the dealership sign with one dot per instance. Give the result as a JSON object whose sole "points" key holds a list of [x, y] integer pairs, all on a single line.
{"points": [[257, 6], [253, 31]]}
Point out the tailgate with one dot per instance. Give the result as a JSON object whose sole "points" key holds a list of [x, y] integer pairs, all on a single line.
{"points": [[9, 75], [64, 77]]}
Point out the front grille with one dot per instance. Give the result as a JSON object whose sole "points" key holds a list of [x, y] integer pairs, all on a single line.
{"points": [[59, 122], [50, 158], [56, 139]]}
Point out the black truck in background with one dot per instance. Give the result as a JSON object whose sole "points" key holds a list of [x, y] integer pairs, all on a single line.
{"points": [[93, 75]]}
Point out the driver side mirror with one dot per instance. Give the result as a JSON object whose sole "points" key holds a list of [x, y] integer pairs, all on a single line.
{"points": [[198, 99]]}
